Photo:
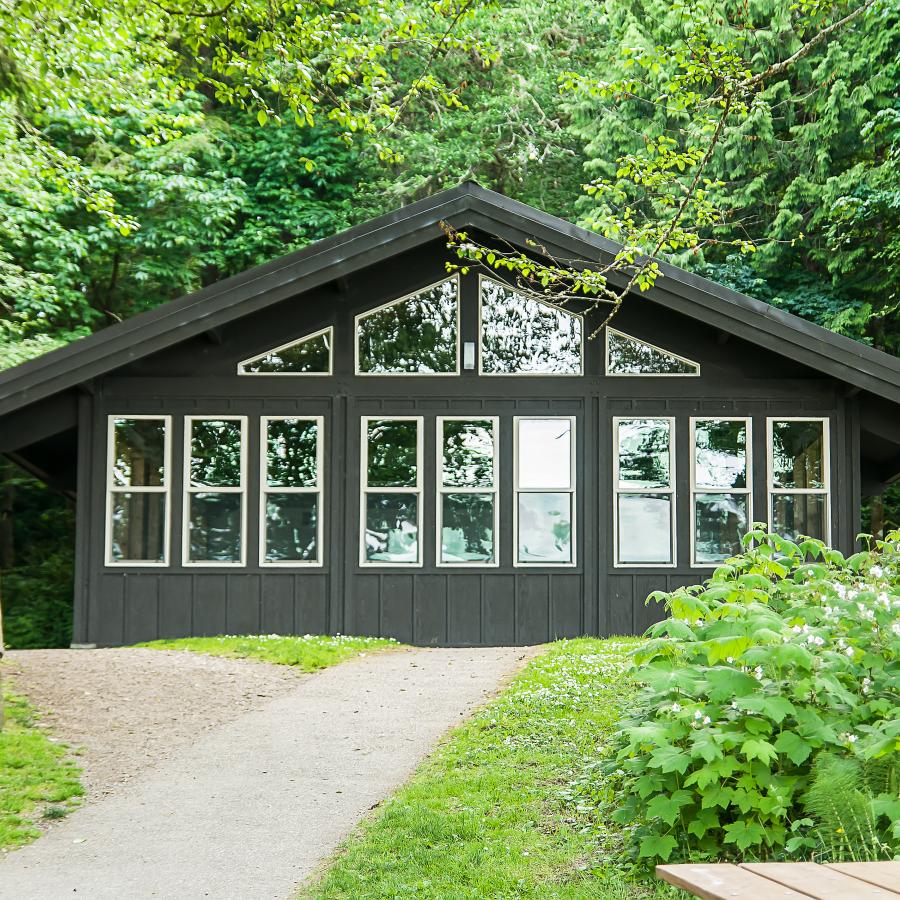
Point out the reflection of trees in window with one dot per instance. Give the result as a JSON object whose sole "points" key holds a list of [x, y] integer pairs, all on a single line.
{"points": [[139, 447], [467, 528], [797, 454], [308, 355], [291, 452], [522, 335], [644, 453], [215, 453], [415, 334], [798, 487], [468, 454], [628, 356], [721, 453], [393, 452]]}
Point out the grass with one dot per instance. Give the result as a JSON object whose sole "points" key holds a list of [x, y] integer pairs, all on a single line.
{"points": [[491, 813], [307, 653], [36, 777]]}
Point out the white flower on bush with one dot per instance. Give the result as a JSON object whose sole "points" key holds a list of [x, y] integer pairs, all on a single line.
{"points": [[758, 673], [877, 571], [849, 652], [848, 738], [676, 707]]}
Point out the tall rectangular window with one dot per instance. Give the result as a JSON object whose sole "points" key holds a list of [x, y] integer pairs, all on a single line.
{"points": [[799, 478], [291, 491], [720, 488], [137, 481], [643, 480], [544, 490], [215, 483], [391, 495], [467, 491]]}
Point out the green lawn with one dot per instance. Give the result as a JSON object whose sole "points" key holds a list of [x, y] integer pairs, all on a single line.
{"points": [[491, 812], [308, 653], [36, 777]]}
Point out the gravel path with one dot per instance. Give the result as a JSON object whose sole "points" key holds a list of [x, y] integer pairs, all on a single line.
{"points": [[250, 807], [123, 710]]}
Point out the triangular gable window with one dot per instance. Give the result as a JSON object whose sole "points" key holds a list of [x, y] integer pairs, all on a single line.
{"points": [[309, 355], [522, 335], [626, 355], [417, 334]]}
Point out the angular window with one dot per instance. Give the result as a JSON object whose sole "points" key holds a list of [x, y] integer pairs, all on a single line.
{"points": [[467, 491], [799, 478], [391, 491], [545, 490], [414, 335], [720, 488], [137, 518], [522, 335], [291, 495], [628, 356], [215, 484], [310, 355], [644, 478]]}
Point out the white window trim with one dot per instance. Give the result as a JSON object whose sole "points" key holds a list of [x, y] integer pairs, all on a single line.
{"points": [[265, 489], [388, 305], [772, 491], [442, 489], [365, 490], [328, 330], [691, 362], [572, 491], [165, 488], [670, 490], [188, 490], [541, 300], [698, 489]]}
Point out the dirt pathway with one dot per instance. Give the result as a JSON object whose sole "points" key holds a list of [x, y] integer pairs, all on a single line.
{"points": [[250, 807]]}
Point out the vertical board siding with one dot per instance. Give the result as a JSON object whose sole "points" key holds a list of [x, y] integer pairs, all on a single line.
{"points": [[107, 621], [311, 604], [242, 615], [464, 605], [277, 604], [567, 604], [175, 606], [141, 608], [532, 609], [430, 610], [210, 604], [498, 604]]}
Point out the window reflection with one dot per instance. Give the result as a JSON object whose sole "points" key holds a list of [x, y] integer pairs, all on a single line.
{"points": [[138, 526], [139, 454], [644, 458], [215, 453], [417, 334], [628, 356], [468, 453], [545, 453], [291, 453], [645, 528], [392, 528], [545, 528], [720, 521], [720, 459], [467, 532], [798, 454], [393, 448], [523, 335], [307, 356]]}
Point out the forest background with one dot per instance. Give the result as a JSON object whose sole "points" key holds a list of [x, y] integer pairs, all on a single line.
{"points": [[196, 187]]}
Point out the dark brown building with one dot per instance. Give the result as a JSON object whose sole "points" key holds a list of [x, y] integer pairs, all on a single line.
{"points": [[348, 439]]}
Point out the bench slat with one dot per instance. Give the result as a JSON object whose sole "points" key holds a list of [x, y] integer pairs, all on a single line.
{"points": [[821, 882], [724, 881], [882, 874]]}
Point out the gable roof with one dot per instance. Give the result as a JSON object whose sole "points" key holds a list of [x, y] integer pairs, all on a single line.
{"points": [[466, 206]]}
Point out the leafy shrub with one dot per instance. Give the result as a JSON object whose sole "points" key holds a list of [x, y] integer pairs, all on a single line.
{"points": [[768, 720]]}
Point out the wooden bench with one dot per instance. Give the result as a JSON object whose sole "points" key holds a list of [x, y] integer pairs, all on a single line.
{"points": [[786, 881]]}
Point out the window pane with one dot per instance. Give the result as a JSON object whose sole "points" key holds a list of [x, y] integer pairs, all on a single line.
{"points": [[292, 527], [392, 528], [797, 455], [393, 453], [545, 453], [215, 527], [644, 453], [720, 454], [139, 452], [306, 355], [796, 515], [215, 453], [467, 528], [629, 356], [418, 334], [291, 446], [468, 454], [720, 521], [520, 334], [645, 528], [545, 528], [138, 527]]}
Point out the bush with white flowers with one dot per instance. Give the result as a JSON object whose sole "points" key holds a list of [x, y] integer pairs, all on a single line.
{"points": [[768, 721]]}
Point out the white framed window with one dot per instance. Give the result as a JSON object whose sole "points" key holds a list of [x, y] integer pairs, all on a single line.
{"points": [[629, 356], [520, 334], [544, 485], [644, 491], [417, 334], [391, 491], [139, 460], [308, 355], [468, 480], [215, 486], [799, 474], [291, 487], [721, 487]]}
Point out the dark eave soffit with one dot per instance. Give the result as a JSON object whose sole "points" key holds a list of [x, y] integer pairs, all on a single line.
{"points": [[465, 206]]}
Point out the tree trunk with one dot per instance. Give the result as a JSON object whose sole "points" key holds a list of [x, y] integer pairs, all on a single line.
{"points": [[7, 519]]}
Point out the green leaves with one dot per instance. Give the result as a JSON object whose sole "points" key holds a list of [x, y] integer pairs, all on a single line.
{"points": [[794, 747], [756, 748], [657, 846]]}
